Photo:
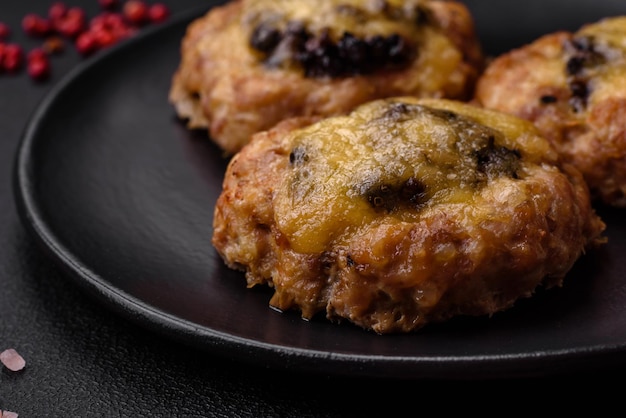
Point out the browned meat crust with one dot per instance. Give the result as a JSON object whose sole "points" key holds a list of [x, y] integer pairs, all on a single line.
{"points": [[573, 87], [404, 212], [235, 78]]}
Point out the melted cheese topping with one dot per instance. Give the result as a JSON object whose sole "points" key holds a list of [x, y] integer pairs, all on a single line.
{"points": [[395, 159], [358, 17], [609, 38]]}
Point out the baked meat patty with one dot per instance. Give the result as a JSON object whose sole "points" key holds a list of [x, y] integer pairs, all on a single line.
{"points": [[405, 212], [573, 87], [248, 64]]}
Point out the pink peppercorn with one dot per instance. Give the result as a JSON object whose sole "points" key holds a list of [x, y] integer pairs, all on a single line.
{"points": [[72, 23], [12, 57], [36, 54], [86, 43], [35, 25], [158, 13], [118, 20], [57, 11], [38, 66], [136, 12]]}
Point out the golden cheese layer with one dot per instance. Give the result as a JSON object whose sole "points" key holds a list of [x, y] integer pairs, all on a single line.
{"points": [[361, 18], [607, 69], [400, 159]]}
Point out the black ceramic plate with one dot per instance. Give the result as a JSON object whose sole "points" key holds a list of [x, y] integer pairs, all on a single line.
{"points": [[121, 194]]}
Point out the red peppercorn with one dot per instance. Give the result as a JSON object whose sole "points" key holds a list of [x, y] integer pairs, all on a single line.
{"points": [[76, 13], [38, 67], [70, 27], [136, 12], [123, 32], [104, 38], [98, 22], [72, 23], [36, 54], [104, 30], [38, 64], [12, 57], [158, 13], [57, 11], [86, 43], [107, 21], [5, 31], [35, 25]]}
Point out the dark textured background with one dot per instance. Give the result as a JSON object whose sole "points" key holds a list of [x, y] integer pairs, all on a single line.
{"points": [[85, 361]]}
